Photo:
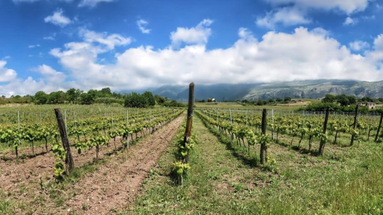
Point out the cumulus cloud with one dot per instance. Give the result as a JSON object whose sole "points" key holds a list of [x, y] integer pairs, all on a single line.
{"points": [[49, 38], [378, 42], [377, 52], [194, 35], [50, 75], [350, 21], [276, 56], [141, 24], [58, 19], [359, 45], [51, 80], [110, 41], [286, 16], [348, 7], [33, 46], [6, 74], [300, 55], [31, 1], [92, 3]]}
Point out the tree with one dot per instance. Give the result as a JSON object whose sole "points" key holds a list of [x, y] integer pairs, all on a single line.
{"points": [[271, 100], [149, 98], [329, 98], [106, 92], [87, 98], [56, 97], [40, 98], [160, 100], [351, 100], [342, 100], [93, 94], [72, 95], [135, 100], [279, 100], [287, 99]]}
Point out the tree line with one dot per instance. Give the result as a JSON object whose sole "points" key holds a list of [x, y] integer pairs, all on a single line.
{"points": [[105, 95], [342, 103]]}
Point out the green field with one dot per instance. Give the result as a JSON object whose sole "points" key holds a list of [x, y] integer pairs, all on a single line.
{"points": [[225, 176], [241, 106]]}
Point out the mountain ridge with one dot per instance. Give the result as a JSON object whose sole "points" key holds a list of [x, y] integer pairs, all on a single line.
{"points": [[313, 89]]}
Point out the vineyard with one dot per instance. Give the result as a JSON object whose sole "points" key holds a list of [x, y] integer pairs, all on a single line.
{"points": [[245, 128], [131, 160]]}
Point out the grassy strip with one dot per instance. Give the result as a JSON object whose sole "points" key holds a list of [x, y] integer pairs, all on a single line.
{"points": [[220, 183]]}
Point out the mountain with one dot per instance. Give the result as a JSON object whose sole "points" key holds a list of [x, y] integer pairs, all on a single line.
{"points": [[313, 89]]}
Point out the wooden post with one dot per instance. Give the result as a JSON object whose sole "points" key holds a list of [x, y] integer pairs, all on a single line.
{"points": [[272, 123], [355, 121], [263, 153], [18, 130], [189, 119], [380, 125], [127, 126], [69, 164], [322, 141]]}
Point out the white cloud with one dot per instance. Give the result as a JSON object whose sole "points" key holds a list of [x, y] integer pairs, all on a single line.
{"points": [[350, 21], [51, 81], [359, 45], [51, 76], [33, 46], [346, 6], [58, 19], [286, 16], [378, 42], [276, 56], [6, 74], [92, 3], [30, 1], [142, 26], [18, 1], [300, 55], [194, 35], [49, 38], [244, 33], [103, 38]]}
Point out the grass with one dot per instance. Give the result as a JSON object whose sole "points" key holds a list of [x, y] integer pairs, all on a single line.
{"points": [[223, 180], [235, 105]]}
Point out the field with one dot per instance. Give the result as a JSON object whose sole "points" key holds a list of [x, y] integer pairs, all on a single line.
{"points": [[227, 173]]}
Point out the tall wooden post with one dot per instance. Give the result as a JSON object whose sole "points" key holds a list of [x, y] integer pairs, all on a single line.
{"points": [[263, 153], [323, 141], [380, 125], [355, 121], [69, 164], [189, 119]]}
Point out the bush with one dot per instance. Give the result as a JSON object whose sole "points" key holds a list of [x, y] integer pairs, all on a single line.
{"points": [[333, 107]]}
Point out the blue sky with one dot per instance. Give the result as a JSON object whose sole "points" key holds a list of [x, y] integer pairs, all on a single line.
{"points": [[54, 45]]}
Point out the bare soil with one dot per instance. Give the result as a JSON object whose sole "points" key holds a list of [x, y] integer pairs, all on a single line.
{"points": [[112, 186], [116, 184]]}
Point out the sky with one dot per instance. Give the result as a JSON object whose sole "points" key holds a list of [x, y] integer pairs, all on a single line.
{"points": [[55, 45]]}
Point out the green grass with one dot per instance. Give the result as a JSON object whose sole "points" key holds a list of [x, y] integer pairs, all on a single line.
{"points": [[224, 181], [235, 105]]}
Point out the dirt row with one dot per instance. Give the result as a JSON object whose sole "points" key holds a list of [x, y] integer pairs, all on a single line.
{"points": [[112, 186], [16, 173], [115, 185]]}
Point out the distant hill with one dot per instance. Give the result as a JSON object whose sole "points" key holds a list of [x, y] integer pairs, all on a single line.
{"points": [[312, 89]]}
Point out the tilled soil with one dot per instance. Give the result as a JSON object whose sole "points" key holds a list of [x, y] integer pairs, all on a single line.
{"points": [[16, 173], [113, 186], [116, 184]]}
